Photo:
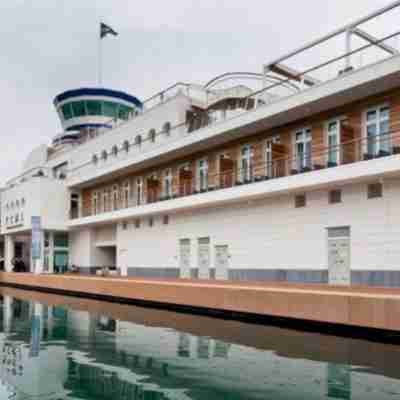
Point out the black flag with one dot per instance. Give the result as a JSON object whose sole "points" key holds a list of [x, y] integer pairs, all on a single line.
{"points": [[106, 30]]}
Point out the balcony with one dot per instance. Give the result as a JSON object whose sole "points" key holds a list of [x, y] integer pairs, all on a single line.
{"points": [[356, 160]]}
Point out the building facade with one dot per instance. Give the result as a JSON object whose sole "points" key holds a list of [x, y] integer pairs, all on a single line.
{"points": [[298, 181]]}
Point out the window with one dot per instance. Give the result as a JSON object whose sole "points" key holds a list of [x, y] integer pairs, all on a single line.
{"points": [[333, 136], [104, 155], [202, 183], [124, 226], [66, 110], [124, 112], [126, 194], [114, 203], [137, 223], [95, 159], [114, 150], [110, 109], [152, 135], [246, 163], [300, 201], [377, 131], [303, 149], [78, 108], [166, 219], [168, 183], [61, 240], [151, 222], [126, 145], [139, 191], [268, 156], [106, 198], [335, 196], [95, 203], [375, 190], [138, 140], [93, 107], [167, 128]]}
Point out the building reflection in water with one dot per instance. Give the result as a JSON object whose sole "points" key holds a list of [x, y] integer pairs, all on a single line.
{"points": [[57, 352]]}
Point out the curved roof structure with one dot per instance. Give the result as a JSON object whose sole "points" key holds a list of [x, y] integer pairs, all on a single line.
{"points": [[69, 94]]}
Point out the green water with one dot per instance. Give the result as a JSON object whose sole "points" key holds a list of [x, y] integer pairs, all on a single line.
{"points": [[91, 350]]}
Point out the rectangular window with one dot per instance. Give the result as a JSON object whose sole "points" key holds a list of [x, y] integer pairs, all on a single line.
{"points": [[300, 201], [61, 240], [334, 143], [375, 190], [335, 196], [93, 107], [110, 109], [137, 223], [166, 219], [202, 169], [124, 112], [303, 140], [378, 131], [139, 191], [246, 163], [168, 183], [78, 108], [67, 111]]}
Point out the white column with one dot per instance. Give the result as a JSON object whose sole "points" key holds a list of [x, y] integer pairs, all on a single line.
{"points": [[9, 252]]}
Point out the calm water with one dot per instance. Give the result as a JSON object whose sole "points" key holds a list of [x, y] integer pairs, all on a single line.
{"points": [[63, 348]]}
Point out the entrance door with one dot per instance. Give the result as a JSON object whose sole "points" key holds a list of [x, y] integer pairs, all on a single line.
{"points": [[184, 258], [221, 262], [339, 256], [204, 258]]}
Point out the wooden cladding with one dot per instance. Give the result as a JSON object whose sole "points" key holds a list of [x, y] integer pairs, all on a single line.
{"points": [[273, 155]]}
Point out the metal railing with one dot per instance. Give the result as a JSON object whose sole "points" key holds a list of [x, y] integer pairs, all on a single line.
{"points": [[349, 152]]}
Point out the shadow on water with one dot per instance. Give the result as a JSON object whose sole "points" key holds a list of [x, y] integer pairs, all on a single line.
{"points": [[55, 347]]}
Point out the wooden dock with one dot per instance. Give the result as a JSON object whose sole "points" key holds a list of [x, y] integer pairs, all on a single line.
{"points": [[357, 307]]}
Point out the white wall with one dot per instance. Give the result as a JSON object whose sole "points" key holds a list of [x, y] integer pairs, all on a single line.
{"points": [[272, 233], [43, 197]]}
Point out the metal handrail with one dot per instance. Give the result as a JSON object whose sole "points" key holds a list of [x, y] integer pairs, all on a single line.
{"points": [[281, 167]]}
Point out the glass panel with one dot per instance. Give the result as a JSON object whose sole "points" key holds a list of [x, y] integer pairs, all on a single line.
{"points": [[60, 240], [93, 107], [333, 149], [78, 108], [124, 111], [372, 143], [110, 109], [67, 111], [371, 115], [384, 113]]}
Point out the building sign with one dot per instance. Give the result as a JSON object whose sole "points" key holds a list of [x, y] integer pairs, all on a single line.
{"points": [[36, 238]]}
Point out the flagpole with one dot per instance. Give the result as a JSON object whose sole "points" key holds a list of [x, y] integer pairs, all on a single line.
{"points": [[100, 61]]}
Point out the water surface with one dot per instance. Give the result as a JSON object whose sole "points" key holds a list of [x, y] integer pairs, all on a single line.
{"points": [[65, 348]]}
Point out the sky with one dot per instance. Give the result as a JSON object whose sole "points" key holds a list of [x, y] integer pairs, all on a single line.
{"points": [[48, 46]]}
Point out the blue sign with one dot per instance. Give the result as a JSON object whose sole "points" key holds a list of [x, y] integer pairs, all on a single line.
{"points": [[36, 238]]}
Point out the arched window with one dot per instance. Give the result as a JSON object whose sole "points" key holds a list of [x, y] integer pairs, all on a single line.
{"points": [[115, 150], [138, 140], [104, 155], [167, 128], [95, 159], [152, 135], [126, 146]]}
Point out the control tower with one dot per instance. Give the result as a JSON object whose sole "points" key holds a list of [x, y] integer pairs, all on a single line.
{"points": [[84, 111]]}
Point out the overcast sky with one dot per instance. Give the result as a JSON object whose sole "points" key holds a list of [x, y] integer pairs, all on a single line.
{"points": [[48, 46]]}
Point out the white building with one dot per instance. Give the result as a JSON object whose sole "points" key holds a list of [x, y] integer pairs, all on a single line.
{"points": [[296, 181]]}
